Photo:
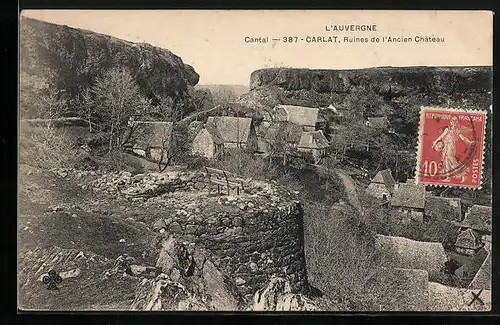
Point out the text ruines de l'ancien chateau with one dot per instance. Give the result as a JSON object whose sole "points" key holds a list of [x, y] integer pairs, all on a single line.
{"points": [[348, 28]]}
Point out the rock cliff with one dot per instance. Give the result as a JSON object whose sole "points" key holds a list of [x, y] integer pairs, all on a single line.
{"points": [[71, 58], [387, 81]]}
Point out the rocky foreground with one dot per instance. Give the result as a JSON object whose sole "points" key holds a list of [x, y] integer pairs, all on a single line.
{"points": [[158, 242]]}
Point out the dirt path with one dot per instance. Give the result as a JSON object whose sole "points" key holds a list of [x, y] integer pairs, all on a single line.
{"points": [[350, 186]]}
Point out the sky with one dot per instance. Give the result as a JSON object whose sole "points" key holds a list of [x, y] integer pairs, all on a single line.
{"points": [[213, 42]]}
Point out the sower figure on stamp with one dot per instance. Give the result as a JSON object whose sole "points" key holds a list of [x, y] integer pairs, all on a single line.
{"points": [[446, 143]]}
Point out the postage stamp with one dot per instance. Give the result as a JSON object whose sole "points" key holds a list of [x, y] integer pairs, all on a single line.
{"points": [[450, 147]]}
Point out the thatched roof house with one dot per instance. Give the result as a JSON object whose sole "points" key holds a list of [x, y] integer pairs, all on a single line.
{"points": [[411, 254], [437, 207], [478, 218], [231, 129], [482, 279], [477, 273], [382, 185], [313, 140], [306, 117], [221, 133], [409, 195], [399, 289], [446, 298]]}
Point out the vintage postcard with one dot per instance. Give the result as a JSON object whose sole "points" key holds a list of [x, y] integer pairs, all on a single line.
{"points": [[246, 160]]}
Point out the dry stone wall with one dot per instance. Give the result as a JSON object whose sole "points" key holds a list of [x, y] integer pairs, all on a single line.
{"points": [[252, 236]]}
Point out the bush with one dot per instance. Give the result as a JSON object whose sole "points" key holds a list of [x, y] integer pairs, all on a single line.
{"points": [[340, 255], [47, 148]]}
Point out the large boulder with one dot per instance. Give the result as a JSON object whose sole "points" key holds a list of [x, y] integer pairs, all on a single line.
{"points": [[189, 281]]}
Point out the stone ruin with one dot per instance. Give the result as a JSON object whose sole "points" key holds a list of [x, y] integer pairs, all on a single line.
{"points": [[251, 238]]}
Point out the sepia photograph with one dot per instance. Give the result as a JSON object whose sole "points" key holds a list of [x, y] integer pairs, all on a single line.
{"points": [[234, 160]]}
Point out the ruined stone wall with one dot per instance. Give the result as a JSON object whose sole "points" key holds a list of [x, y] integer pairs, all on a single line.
{"points": [[252, 236], [250, 246]]}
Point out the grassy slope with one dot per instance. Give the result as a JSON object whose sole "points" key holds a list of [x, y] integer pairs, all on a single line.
{"points": [[40, 228]]}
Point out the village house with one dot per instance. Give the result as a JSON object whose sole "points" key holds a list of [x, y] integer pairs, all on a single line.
{"points": [[409, 198], [475, 230], [222, 133], [468, 242], [382, 185], [150, 139], [275, 136], [437, 207], [306, 117], [314, 142], [477, 218]]}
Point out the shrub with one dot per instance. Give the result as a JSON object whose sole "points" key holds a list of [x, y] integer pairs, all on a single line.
{"points": [[47, 148]]}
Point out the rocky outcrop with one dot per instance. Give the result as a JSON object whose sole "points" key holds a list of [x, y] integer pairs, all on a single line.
{"points": [[189, 281], [71, 59], [387, 81]]}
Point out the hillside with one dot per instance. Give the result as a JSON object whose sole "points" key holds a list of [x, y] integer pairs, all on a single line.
{"points": [[237, 90]]}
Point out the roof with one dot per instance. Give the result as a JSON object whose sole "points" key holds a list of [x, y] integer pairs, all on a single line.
{"points": [[300, 115], [446, 298], [465, 237], [400, 289], [289, 131], [231, 129], [379, 122], [313, 140], [467, 272], [410, 254], [409, 195], [478, 218], [482, 279], [214, 133], [151, 134], [385, 177], [438, 207]]}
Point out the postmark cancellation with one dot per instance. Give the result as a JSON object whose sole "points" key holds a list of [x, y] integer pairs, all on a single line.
{"points": [[450, 147]]}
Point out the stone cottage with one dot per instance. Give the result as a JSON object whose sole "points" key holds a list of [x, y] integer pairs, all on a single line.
{"points": [[478, 218], [314, 142], [222, 133], [468, 242], [306, 117], [409, 198], [150, 139], [445, 208], [382, 185]]}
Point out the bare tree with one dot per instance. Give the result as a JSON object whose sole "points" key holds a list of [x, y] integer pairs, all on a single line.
{"points": [[118, 97]]}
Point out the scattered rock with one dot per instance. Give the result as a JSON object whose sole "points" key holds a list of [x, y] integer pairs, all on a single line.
{"points": [[240, 281], [277, 296]]}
